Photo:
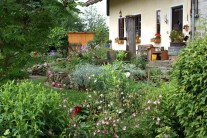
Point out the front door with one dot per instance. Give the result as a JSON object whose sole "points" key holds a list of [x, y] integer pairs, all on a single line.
{"points": [[177, 17]]}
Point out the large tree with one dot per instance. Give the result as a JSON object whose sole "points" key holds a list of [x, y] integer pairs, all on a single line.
{"points": [[24, 27], [96, 22]]}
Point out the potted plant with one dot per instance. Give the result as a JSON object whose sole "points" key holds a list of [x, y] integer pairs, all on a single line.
{"points": [[138, 39], [108, 43], [176, 38], [121, 40], [156, 39]]}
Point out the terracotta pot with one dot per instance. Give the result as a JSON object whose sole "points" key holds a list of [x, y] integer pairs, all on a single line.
{"points": [[120, 41]]}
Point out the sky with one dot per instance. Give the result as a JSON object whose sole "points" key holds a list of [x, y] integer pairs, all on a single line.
{"points": [[101, 7]]}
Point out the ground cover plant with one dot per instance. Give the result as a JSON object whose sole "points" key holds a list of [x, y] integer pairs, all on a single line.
{"points": [[29, 110]]}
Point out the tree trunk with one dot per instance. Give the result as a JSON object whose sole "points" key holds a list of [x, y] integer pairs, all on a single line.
{"points": [[6, 61]]}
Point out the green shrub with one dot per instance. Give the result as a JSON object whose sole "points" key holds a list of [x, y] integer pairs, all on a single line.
{"points": [[17, 73], [29, 110], [140, 61], [190, 75]]}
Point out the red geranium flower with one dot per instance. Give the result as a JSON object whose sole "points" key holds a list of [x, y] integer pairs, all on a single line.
{"points": [[77, 109], [157, 34]]}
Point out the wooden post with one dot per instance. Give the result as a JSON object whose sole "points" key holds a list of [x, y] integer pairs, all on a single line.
{"points": [[130, 33]]}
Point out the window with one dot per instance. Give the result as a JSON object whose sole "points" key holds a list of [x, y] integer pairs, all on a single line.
{"points": [[177, 18], [158, 21], [121, 27], [138, 25]]}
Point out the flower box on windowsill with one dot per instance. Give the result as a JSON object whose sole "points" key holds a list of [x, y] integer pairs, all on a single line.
{"points": [[155, 40], [138, 41], [120, 41]]}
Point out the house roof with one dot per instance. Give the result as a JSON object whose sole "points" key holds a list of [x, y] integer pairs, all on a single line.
{"points": [[91, 2]]}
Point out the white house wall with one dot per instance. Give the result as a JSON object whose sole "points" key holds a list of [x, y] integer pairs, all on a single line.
{"points": [[147, 9]]}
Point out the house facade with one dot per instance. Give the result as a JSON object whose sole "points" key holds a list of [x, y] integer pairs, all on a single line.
{"points": [[149, 18]]}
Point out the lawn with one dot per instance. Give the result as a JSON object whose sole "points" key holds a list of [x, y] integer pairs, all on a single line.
{"points": [[75, 96]]}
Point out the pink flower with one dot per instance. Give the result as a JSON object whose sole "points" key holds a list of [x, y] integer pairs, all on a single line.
{"points": [[115, 135], [49, 72], [103, 122], [134, 114], [149, 101], [156, 102], [104, 131], [124, 128], [148, 108], [53, 84], [59, 85]]}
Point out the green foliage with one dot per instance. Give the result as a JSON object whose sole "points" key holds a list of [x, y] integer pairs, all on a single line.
{"points": [[176, 36], [94, 22], [85, 76], [121, 55], [58, 37], [24, 26], [190, 68], [29, 110], [140, 61], [190, 74]]}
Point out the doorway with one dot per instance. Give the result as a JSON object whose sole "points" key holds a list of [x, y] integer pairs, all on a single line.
{"points": [[177, 18]]}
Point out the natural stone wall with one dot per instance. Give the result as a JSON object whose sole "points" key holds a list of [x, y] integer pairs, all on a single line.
{"points": [[59, 79], [38, 69]]}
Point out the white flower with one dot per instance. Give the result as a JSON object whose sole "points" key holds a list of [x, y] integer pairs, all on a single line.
{"points": [[158, 119], [88, 106], [134, 114], [70, 110], [95, 81], [99, 107], [127, 74]]}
